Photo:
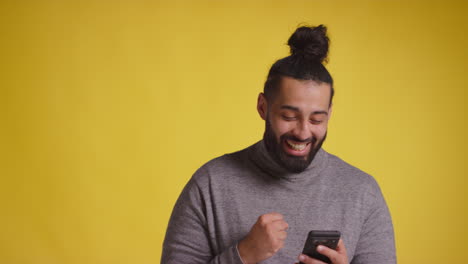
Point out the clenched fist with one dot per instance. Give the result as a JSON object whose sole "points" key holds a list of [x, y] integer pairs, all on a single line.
{"points": [[264, 239]]}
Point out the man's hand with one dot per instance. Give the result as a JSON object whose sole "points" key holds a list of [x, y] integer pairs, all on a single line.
{"points": [[264, 239], [338, 256]]}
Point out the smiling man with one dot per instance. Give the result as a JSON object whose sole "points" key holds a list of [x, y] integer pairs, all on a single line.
{"points": [[296, 121], [257, 205]]}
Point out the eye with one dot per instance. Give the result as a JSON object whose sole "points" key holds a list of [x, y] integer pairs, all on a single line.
{"points": [[288, 118], [316, 122]]}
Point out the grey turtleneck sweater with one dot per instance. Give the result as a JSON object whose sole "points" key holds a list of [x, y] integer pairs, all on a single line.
{"points": [[224, 198]]}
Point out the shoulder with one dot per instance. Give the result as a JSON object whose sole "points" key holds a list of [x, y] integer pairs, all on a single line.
{"points": [[224, 163], [216, 177], [223, 168], [350, 176]]}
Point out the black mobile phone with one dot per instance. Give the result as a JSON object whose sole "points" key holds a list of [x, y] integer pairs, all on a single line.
{"points": [[320, 237]]}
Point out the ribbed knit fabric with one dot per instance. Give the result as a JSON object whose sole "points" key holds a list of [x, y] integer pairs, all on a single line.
{"points": [[225, 197]]}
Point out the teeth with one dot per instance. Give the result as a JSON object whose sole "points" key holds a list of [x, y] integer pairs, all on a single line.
{"points": [[297, 146]]}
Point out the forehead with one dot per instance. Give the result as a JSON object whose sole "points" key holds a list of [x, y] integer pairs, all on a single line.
{"points": [[304, 94]]}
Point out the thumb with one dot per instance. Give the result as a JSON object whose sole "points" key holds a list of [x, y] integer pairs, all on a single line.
{"points": [[330, 253]]}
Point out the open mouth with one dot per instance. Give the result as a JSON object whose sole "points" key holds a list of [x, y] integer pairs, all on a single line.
{"points": [[296, 148]]}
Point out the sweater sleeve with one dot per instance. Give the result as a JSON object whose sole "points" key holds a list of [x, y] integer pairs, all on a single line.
{"points": [[376, 243], [187, 237]]}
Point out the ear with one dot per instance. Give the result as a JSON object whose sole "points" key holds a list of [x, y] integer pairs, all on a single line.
{"points": [[262, 106]]}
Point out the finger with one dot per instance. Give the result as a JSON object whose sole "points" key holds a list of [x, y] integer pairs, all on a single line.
{"points": [[308, 260], [341, 247], [280, 225], [282, 235], [273, 216], [330, 253], [268, 218]]}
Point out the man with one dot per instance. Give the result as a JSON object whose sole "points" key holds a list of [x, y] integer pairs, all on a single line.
{"points": [[258, 204]]}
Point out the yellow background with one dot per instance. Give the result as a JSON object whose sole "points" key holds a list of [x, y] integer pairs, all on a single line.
{"points": [[108, 107]]}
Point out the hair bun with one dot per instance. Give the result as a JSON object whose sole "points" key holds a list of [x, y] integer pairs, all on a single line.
{"points": [[310, 43]]}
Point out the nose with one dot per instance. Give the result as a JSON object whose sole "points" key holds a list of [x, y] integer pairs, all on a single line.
{"points": [[302, 131]]}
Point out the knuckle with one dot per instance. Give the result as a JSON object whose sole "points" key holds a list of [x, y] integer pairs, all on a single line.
{"points": [[334, 259], [276, 215], [262, 220]]}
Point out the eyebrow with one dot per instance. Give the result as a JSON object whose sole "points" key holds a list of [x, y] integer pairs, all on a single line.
{"points": [[296, 109]]}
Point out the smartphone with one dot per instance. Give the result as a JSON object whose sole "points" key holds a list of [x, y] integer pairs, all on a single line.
{"points": [[327, 238]]}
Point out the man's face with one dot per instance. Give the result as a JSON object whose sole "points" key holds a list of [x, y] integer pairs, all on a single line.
{"points": [[296, 122]]}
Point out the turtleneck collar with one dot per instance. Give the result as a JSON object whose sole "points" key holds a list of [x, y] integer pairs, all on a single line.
{"points": [[259, 155]]}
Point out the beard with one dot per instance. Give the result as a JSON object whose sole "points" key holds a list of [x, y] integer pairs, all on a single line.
{"points": [[294, 164]]}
